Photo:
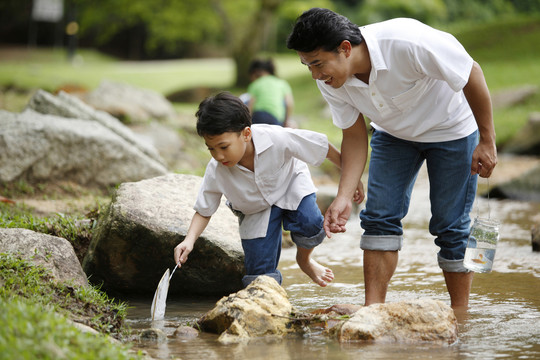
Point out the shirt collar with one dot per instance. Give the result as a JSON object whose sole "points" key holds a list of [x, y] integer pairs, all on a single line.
{"points": [[375, 54]]}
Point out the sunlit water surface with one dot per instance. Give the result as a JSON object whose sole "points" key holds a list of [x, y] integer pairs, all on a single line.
{"points": [[503, 320]]}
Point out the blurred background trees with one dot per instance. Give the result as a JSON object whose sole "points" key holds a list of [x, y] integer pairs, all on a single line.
{"points": [[239, 29]]}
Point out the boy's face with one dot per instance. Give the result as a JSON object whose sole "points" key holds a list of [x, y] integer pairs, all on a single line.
{"points": [[229, 148]]}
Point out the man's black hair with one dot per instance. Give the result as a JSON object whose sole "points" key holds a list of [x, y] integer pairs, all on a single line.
{"points": [[222, 113], [324, 29]]}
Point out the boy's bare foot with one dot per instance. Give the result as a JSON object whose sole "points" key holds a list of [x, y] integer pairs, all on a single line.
{"points": [[319, 274]]}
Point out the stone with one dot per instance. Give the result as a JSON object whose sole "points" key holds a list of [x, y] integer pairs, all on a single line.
{"points": [[412, 321], [54, 253], [261, 309], [135, 237]]}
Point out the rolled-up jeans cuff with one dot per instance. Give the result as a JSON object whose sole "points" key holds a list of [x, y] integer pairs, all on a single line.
{"points": [[308, 242], [381, 242], [248, 279], [451, 265]]}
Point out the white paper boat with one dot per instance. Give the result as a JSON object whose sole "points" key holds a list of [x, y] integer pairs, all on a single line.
{"points": [[157, 311]]}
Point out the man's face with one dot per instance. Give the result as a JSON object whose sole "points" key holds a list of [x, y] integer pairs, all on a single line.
{"points": [[332, 67]]}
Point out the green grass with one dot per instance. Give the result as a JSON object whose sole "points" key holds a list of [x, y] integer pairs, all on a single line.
{"points": [[35, 314]]}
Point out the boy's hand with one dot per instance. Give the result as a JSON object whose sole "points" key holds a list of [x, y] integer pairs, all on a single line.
{"points": [[359, 195], [181, 252]]}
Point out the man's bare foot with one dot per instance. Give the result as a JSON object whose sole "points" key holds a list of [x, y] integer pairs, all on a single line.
{"points": [[319, 274]]}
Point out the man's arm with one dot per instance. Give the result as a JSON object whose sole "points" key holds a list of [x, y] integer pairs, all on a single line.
{"points": [[477, 94], [353, 162]]}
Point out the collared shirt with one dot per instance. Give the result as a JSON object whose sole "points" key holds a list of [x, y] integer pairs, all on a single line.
{"points": [[415, 84], [281, 177]]}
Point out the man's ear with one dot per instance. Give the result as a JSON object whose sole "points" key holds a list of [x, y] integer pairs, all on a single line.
{"points": [[345, 47]]}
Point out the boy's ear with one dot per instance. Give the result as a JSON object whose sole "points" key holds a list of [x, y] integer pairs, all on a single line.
{"points": [[345, 47], [246, 133]]}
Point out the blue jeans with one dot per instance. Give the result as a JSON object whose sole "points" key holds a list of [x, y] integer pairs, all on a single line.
{"points": [[393, 169], [262, 254]]}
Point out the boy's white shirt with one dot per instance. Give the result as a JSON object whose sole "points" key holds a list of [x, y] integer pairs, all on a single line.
{"points": [[281, 177], [415, 85]]}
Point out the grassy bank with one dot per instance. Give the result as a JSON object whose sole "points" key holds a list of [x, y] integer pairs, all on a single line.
{"points": [[37, 317]]}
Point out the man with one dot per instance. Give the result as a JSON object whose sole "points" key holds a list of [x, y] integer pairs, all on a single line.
{"points": [[427, 99]]}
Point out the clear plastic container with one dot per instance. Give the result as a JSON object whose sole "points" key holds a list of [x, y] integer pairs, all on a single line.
{"points": [[481, 245]]}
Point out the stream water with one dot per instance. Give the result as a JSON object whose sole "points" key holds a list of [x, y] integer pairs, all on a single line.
{"points": [[503, 320]]}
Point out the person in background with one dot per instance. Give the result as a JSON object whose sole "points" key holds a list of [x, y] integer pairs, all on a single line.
{"points": [[270, 98], [427, 101], [261, 169]]}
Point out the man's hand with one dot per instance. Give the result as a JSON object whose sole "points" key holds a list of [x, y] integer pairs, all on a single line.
{"points": [[337, 215]]}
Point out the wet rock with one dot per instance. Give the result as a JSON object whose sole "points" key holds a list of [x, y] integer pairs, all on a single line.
{"points": [[152, 334], [135, 237], [535, 238], [128, 102], [260, 309], [53, 253], [524, 188], [186, 332], [408, 321]]}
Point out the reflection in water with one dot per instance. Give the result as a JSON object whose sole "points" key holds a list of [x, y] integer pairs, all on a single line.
{"points": [[502, 321]]}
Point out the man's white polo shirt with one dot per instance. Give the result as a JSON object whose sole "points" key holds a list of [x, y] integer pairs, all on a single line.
{"points": [[415, 85]]}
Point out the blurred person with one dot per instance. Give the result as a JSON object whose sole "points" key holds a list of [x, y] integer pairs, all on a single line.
{"points": [[270, 98], [427, 100]]}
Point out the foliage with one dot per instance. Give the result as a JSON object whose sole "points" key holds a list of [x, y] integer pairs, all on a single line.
{"points": [[427, 11], [23, 281], [77, 229]]}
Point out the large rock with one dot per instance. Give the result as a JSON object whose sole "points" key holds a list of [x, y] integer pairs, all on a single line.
{"points": [[524, 188], [133, 244], [129, 102], [45, 148], [527, 140], [71, 107], [407, 321], [262, 308], [53, 253]]}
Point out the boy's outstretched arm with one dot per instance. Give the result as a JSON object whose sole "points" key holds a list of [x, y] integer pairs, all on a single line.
{"points": [[197, 226]]}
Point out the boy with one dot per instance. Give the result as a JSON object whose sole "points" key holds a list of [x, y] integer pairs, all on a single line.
{"points": [[261, 171], [427, 100]]}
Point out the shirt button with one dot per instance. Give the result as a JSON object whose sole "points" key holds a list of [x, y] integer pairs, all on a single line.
{"points": [[381, 105], [372, 94]]}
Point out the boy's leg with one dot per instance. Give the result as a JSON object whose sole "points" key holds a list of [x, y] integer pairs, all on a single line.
{"points": [[306, 227], [261, 255]]}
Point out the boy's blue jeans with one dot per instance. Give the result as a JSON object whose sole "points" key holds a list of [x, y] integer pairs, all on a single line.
{"points": [[262, 254], [393, 169]]}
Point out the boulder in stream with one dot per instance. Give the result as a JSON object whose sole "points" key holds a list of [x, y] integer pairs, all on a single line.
{"points": [[135, 238]]}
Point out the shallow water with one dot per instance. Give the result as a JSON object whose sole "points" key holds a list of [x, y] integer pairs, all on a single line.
{"points": [[503, 320]]}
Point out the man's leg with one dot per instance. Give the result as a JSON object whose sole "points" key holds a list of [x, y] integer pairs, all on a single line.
{"points": [[459, 288], [379, 266], [452, 193], [393, 169]]}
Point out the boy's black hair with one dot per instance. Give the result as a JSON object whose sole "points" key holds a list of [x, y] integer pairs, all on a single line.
{"points": [[264, 65], [222, 113], [322, 28]]}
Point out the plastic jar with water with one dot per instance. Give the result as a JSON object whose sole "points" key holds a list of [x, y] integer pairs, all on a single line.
{"points": [[481, 245]]}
